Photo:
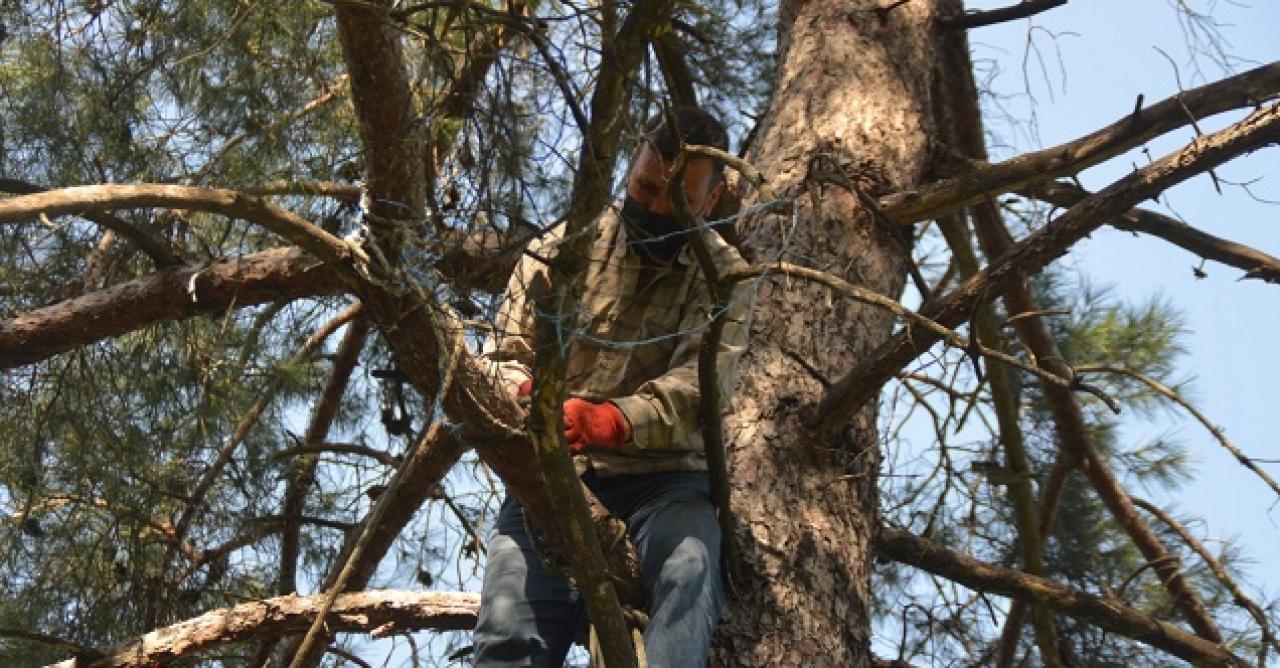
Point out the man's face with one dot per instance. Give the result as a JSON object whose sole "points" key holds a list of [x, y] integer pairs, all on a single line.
{"points": [[647, 183]]}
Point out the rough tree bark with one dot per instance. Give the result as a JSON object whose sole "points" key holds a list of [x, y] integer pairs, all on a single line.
{"points": [[852, 103]]}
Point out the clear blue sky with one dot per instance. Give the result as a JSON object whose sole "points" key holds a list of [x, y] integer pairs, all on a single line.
{"points": [[1108, 57]]}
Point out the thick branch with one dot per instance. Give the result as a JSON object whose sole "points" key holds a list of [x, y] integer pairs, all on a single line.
{"points": [[80, 200], [1254, 262], [1032, 254], [304, 469], [1105, 612], [169, 294], [1241, 91], [155, 248], [675, 70], [379, 612], [393, 142]]}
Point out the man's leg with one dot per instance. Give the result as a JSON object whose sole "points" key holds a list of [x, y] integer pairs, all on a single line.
{"points": [[675, 530], [528, 616]]}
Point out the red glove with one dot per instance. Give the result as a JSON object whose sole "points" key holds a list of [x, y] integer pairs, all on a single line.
{"points": [[602, 425], [526, 388]]}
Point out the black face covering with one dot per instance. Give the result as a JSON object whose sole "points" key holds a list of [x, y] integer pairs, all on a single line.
{"points": [[660, 237]]}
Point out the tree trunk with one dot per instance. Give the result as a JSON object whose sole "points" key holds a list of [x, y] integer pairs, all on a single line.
{"points": [[852, 104]]}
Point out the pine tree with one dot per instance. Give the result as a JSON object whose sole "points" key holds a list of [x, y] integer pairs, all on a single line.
{"points": [[242, 364]]}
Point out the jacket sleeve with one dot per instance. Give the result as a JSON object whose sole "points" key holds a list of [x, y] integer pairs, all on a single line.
{"points": [[663, 412], [508, 349]]}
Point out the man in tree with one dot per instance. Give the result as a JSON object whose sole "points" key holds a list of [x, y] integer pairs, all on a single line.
{"points": [[631, 419]]}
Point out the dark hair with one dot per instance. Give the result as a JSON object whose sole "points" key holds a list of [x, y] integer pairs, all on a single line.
{"points": [[693, 125]]}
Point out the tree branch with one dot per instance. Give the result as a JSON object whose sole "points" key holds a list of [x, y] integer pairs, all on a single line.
{"points": [[343, 192], [169, 294], [929, 201], [394, 147], [1176, 398], [331, 93], [849, 393], [155, 248], [382, 611], [81, 199], [1242, 599], [1073, 433], [304, 469], [709, 399], [591, 190], [865, 296], [1255, 263], [1102, 611], [1004, 396], [1022, 10], [195, 500], [380, 456], [675, 71]]}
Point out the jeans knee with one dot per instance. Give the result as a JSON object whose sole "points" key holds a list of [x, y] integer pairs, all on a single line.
{"points": [[686, 570], [505, 635]]}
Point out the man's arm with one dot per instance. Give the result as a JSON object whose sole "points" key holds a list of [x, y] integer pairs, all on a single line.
{"points": [[663, 412]]}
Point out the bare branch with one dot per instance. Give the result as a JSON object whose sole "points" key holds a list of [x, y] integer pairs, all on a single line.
{"points": [[709, 397], [390, 611], [1176, 398], [675, 70], [1103, 611], [169, 294], [591, 192], [79, 200], [1022, 10], [1006, 402], [1255, 263], [380, 456], [330, 94], [1244, 90], [59, 644], [159, 251], [865, 296], [849, 393]]}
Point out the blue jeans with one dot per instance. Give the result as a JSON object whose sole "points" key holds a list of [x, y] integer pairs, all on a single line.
{"points": [[529, 616]]}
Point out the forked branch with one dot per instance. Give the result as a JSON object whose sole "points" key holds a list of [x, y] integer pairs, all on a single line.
{"points": [[1241, 91], [1033, 253]]}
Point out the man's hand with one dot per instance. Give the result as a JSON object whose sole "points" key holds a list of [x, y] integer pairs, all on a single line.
{"points": [[589, 424], [526, 389]]}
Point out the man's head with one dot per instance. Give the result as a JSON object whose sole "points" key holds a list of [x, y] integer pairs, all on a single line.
{"points": [[648, 210]]}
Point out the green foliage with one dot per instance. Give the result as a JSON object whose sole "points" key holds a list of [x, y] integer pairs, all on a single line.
{"points": [[954, 493], [101, 448]]}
